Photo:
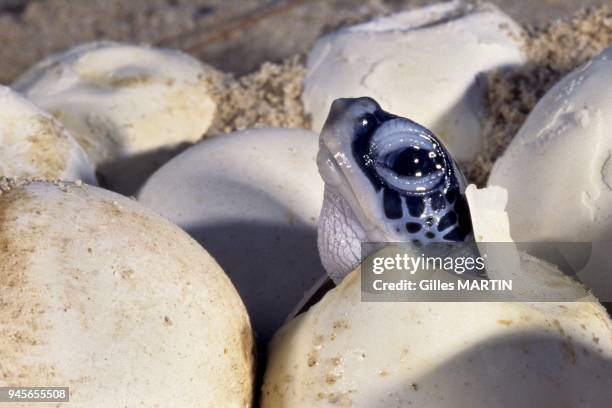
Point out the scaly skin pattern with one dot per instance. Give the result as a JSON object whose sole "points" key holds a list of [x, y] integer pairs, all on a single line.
{"points": [[339, 235], [387, 179]]}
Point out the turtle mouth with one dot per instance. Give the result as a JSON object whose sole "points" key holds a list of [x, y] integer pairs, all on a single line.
{"points": [[333, 170], [329, 168]]}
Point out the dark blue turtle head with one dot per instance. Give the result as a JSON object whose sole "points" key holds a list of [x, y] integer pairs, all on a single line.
{"points": [[397, 175]]}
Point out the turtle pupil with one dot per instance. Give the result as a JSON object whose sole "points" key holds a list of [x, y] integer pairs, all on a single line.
{"points": [[414, 162]]}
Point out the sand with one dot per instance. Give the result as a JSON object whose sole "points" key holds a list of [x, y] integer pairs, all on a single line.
{"points": [[268, 97], [553, 50]]}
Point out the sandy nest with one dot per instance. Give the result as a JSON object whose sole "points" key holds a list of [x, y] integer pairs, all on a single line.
{"points": [[270, 96]]}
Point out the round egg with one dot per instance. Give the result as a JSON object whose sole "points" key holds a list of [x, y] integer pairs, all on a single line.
{"points": [[103, 296], [535, 351], [558, 169], [128, 106], [345, 352], [34, 145], [252, 199], [423, 64]]}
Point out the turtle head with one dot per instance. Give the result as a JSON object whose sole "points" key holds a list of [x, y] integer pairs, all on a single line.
{"points": [[387, 179]]}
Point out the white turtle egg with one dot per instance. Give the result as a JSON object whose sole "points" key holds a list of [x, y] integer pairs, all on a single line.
{"points": [[346, 352], [422, 64], [128, 106], [34, 145], [252, 199], [558, 168], [103, 296]]}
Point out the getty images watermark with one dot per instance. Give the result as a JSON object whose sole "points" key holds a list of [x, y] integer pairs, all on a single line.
{"points": [[422, 263], [452, 272]]}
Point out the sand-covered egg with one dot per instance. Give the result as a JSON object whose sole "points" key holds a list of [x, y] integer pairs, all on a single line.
{"points": [[34, 145], [103, 296], [252, 199], [423, 64], [344, 352], [347, 352], [128, 106]]}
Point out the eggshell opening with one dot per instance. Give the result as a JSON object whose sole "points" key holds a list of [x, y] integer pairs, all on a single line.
{"points": [[347, 352]]}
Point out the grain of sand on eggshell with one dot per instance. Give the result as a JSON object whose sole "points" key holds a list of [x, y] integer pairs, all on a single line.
{"points": [[271, 95]]}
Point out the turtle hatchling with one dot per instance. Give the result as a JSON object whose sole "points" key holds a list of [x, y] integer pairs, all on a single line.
{"points": [[387, 179]]}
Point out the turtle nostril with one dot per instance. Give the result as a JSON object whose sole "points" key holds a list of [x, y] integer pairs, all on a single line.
{"points": [[382, 116]]}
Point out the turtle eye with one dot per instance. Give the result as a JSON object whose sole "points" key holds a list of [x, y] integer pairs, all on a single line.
{"points": [[407, 157], [414, 161], [366, 124]]}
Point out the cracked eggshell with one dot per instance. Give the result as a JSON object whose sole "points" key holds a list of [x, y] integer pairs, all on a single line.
{"points": [[422, 64], [344, 352], [34, 145], [533, 279], [347, 352], [252, 199], [120, 305], [128, 106]]}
